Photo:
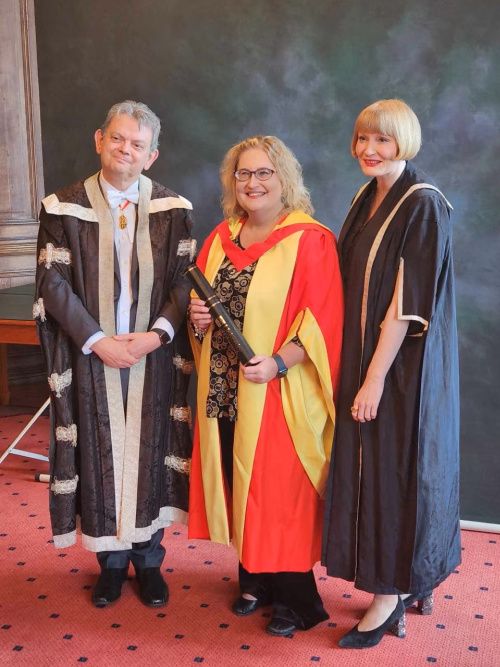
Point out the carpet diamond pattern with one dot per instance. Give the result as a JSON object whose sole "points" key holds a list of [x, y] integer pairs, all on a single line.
{"points": [[46, 616]]}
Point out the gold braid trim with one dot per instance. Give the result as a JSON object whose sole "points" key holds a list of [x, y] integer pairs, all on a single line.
{"points": [[59, 382], [181, 414], [187, 247], [39, 310], [64, 486], [179, 465], [67, 434], [182, 364], [50, 254]]}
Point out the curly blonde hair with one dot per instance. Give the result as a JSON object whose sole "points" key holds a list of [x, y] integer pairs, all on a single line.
{"points": [[295, 194], [395, 119]]}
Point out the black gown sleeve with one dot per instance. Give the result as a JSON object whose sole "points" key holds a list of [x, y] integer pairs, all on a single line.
{"points": [[175, 306], [54, 281], [53, 294], [424, 247]]}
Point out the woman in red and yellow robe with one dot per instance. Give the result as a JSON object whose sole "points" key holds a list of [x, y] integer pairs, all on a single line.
{"points": [[279, 427]]}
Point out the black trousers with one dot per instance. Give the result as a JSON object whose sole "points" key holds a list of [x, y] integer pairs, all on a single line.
{"points": [[294, 595], [142, 554]]}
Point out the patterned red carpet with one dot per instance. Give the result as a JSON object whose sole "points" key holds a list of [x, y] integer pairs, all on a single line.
{"points": [[46, 617]]}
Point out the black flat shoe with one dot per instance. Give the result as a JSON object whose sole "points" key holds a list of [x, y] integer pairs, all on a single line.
{"points": [[153, 590], [285, 621], [395, 623], [244, 607], [109, 586], [425, 603], [281, 627]]}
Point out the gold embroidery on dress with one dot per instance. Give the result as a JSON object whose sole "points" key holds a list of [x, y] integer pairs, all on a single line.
{"points": [[231, 286]]}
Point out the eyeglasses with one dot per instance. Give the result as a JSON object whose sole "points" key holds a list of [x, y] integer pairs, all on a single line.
{"points": [[262, 174]]}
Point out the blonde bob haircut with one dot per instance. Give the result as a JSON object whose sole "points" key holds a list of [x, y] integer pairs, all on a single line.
{"points": [[395, 119], [295, 195]]}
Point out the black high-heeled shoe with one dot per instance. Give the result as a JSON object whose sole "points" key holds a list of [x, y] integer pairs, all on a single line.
{"points": [[395, 623], [425, 603]]}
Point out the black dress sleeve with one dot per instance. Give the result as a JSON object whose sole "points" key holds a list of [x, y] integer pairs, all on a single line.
{"points": [[424, 247]]}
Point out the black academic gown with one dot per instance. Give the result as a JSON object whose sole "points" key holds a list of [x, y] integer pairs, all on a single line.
{"points": [[392, 522], [118, 474]]}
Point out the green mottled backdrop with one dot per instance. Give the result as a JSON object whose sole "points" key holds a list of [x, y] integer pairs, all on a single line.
{"points": [[217, 71]]}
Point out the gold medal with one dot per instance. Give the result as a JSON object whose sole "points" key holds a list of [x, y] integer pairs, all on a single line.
{"points": [[122, 218]]}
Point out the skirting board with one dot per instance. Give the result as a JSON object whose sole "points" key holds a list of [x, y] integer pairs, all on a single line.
{"points": [[480, 526]]}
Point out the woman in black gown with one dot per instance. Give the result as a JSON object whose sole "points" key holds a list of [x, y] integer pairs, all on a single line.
{"points": [[392, 522]]}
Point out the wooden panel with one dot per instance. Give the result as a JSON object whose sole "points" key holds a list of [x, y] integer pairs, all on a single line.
{"points": [[19, 332], [21, 173], [4, 382], [19, 329]]}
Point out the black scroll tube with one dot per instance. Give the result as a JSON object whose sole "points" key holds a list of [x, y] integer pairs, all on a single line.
{"points": [[205, 291]]}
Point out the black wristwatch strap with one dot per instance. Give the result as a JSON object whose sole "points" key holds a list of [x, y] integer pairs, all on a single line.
{"points": [[164, 337], [282, 367]]}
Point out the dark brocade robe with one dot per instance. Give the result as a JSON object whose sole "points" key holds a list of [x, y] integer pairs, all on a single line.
{"points": [[118, 474], [392, 522]]}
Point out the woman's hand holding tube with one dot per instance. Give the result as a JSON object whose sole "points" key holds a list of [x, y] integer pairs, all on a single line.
{"points": [[199, 315], [260, 369]]}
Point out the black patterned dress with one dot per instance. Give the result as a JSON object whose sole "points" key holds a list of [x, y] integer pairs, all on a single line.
{"points": [[231, 287]]}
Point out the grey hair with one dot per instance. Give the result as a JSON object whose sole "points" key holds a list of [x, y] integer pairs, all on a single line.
{"points": [[142, 114]]}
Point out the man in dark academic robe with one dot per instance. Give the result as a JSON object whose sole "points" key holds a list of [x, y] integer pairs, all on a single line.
{"points": [[110, 305]]}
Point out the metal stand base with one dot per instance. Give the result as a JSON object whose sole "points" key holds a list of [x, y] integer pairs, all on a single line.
{"points": [[11, 449]]}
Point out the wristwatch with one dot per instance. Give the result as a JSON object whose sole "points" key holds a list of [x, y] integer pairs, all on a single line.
{"points": [[164, 337], [282, 367]]}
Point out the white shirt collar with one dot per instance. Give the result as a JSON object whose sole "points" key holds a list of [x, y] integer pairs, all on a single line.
{"points": [[118, 194]]}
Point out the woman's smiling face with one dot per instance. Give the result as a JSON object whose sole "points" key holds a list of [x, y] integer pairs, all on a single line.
{"points": [[262, 198], [376, 154]]}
